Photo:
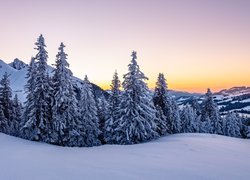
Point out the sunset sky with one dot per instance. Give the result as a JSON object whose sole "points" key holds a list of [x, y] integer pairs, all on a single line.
{"points": [[195, 43]]}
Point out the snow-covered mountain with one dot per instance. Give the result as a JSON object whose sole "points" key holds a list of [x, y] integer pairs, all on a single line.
{"points": [[18, 71], [180, 156], [18, 64], [233, 99]]}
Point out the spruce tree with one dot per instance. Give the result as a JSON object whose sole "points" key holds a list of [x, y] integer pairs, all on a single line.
{"points": [[88, 127], [232, 125], [3, 121], [211, 111], [136, 122], [17, 116], [6, 102], [112, 116], [30, 98], [64, 109], [167, 107], [196, 106], [37, 125], [102, 113], [189, 120], [175, 120]]}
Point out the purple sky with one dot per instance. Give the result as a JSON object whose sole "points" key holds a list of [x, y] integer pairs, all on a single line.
{"points": [[195, 43]]}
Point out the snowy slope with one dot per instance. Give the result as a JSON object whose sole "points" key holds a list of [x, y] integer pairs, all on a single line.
{"points": [[18, 71], [183, 156], [17, 78]]}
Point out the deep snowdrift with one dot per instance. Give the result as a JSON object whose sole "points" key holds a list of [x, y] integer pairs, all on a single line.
{"points": [[183, 156]]}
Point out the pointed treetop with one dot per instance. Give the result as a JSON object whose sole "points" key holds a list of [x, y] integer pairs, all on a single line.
{"points": [[62, 46], [209, 93], [86, 78], [134, 55], [40, 41]]}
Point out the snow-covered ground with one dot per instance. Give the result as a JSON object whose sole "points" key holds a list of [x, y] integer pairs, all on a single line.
{"points": [[182, 156]]}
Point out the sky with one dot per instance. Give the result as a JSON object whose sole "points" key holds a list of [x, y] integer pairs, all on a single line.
{"points": [[196, 43]]}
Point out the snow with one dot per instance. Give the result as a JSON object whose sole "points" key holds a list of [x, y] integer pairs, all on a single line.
{"points": [[246, 100], [181, 156], [247, 108]]}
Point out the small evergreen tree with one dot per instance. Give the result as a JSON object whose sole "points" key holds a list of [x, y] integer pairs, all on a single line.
{"points": [[210, 111], [102, 113], [189, 120], [6, 102], [232, 125], [175, 120], [136, 122], [196, 106], [3, 121], [17, 116], [88, 127]]}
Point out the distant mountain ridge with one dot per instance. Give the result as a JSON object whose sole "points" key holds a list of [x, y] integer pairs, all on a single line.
{"points": [[234, 91]]}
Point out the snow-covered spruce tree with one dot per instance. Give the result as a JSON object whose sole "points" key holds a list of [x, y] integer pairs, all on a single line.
{"points": [[29, 103], [3, 121], [167, 108], [6, 102], [88, 127], [175, 117], [196, 106], [16, 117], [231, 126], [189, 120], [137, 114], [64, 108], [112, 116], [162, 104], [211, 111], [37, 125], [102, 112]]}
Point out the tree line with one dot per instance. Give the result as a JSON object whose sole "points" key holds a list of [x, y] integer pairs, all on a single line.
{"points": [[54, 112]]}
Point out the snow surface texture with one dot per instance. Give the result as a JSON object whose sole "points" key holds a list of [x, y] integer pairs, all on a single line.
{"points": [[180, 156]]}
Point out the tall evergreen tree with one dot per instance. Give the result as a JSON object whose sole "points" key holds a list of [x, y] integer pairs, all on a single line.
{"points": [[211, 111], [37, 124], [112, 115], [64, 109], [88, 127], [137, 114]]}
